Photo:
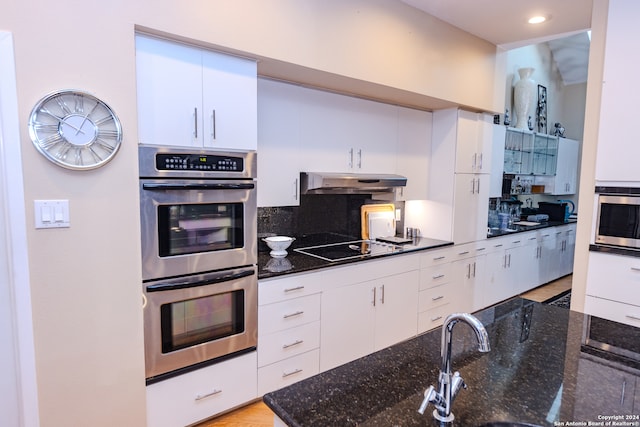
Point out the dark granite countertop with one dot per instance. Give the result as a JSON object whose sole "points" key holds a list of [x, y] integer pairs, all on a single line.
{"points": [[532, 374], [296, 262], [522, 228]]}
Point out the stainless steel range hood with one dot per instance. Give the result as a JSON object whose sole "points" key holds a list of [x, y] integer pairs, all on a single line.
{"points": [[349, 183]]}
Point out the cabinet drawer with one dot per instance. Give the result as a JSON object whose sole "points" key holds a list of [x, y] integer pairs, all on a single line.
{"points": [[288, 343], [614, 277], [435, 276], [612, 310], [270, 291], [288, 314], [435, 257], [434, 297], [203, 393], [287, 372], [431, 319]]}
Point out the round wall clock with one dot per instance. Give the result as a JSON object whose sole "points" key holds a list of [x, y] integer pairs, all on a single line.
{"points": [[75, 130]]}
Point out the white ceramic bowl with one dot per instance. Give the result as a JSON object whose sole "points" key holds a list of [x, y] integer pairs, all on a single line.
{"points": [[278, 245]]}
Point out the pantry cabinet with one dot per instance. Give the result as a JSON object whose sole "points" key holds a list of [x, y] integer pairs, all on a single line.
{"points": [[193, 97], [413, 150], [617, 157], [459, 179]]}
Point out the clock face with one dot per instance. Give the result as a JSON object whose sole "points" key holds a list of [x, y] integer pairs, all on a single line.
{"points": [[75, 130]]}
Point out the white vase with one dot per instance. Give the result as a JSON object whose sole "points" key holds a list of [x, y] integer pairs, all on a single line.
{"points": [[524, 94]]}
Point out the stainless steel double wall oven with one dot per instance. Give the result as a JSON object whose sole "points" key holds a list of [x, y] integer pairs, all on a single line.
{"points": [[199, 255]]}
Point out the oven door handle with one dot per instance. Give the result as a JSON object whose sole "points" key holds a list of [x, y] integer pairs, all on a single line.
{"points": [[159, 287], [210, 186]]}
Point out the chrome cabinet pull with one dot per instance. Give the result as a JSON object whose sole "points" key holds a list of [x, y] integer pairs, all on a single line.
{"points": [[204, 396], [439, 297], [624, 386], [296, 342], [509, 260], [374, 296], [382, 292], [288, 374], [297, 313], [360, 158], [480, 167], [635, 268], [437, 276], [297, 288], [463, 253], [213, 124], [478, 185], [631, 316], [351, 158], [433, 319], [438, 258], [195, 123]]}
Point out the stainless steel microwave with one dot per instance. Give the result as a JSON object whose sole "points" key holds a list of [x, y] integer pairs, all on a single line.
{"points": [[618, 220]]}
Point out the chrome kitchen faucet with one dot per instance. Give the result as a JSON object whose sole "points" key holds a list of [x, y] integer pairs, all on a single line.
{"points": [[450, 384]]}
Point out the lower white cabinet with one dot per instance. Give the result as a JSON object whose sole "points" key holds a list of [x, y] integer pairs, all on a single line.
{"points": [[202, 393], [613, 288], [361, 318], [505, 263]]}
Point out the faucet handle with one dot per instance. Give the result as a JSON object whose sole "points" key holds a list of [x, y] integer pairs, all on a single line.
{"points": [[429, 396], [456, 383]]}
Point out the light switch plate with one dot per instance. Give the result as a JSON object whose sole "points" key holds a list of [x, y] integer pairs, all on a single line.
{"points": [[51, 213]]}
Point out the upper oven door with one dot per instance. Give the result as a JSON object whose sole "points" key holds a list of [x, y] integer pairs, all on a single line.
{"points": [[618, 220], [193, 226]]}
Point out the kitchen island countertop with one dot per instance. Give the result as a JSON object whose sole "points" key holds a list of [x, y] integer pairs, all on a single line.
{"points": [[538, 371]]}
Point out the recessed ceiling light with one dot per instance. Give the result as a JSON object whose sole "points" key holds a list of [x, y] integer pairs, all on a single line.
{"points": [[537, 19]]}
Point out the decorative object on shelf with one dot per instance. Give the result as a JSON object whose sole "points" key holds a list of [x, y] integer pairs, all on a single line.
{"points": [[559, 130], [542, 109], [75, 130], [523, 96], [507, 120], [530, 123]]}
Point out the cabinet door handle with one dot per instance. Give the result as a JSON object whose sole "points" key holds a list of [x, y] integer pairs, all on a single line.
{"points": [[624, 386], [382, 294], [360, 158], [295, 189], [463, 253], [509, 260], [195, 122], [497, 246], [296, 342], [480, 249], [516, 242], [374, 296], [480, 166], [288, 374], [635, 268], [433, 319], [213, 124], [297, 288], [474, 269], [297, 313], [474, 162], [351, 158], [439, 297], [437, 276], [633, 317], [478, 190], [468, 271], [212, 393], [438, 258]]}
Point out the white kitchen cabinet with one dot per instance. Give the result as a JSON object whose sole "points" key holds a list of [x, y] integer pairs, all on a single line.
{"points": [[505, 262], [413, 150], [613, 283], [518, 151], [459, 179], [566, 177], [361, 318], [346, 134], [541, 256], [565, 244], [288, 331], [192, 97], [616, 160], [280, 143], [469, 275], [436, 290], [471, 207], [203, 393], [545, 154]]}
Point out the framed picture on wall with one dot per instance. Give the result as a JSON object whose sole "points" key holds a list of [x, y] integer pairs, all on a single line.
{"points": [[542, 109]]}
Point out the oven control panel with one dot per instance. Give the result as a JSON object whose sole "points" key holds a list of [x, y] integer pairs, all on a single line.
{"points": [[198, 162]]}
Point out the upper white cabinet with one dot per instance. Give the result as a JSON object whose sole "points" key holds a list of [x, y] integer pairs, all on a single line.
{"points": [[617, 153], [459, 177], [566, 179], [309, 130], [414, 147], [191, 97]]}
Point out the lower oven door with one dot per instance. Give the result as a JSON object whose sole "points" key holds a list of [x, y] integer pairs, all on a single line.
{"points": [[194, 320]]}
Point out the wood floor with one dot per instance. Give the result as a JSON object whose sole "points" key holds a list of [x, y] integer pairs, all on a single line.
{"points": [[257, 414]]}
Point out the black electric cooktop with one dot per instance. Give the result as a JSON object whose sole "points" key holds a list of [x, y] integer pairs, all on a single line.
{"points": [[349, 250]]}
